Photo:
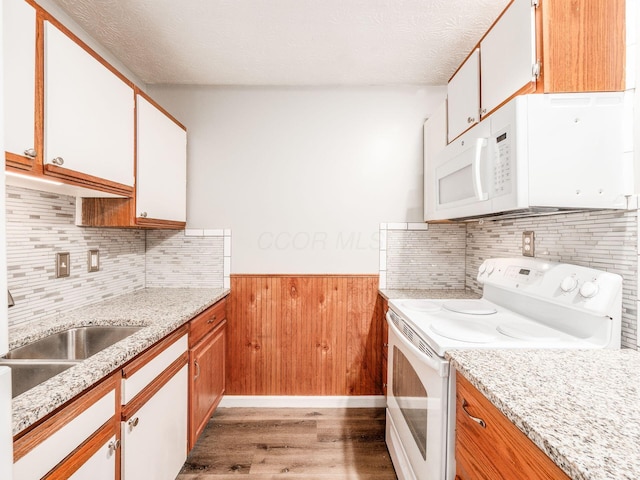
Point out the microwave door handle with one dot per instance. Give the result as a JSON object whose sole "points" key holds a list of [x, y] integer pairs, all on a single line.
{"points": [[477, 170]]}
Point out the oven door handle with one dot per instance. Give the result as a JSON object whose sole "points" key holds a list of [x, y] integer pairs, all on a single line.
{"points": [[438, 364]]}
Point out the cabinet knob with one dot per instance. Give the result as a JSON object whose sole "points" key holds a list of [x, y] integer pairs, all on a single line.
{"points": [[483, 111], [143, 214], [470, 119], [31, 153], [133, 422], [197, 365], [211, 320], [58, 161], [113, 446]]}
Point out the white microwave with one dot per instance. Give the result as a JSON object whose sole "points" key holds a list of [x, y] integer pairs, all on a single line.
{"points": [[536, 154]]}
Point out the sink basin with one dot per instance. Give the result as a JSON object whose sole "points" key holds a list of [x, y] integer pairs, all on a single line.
{"points": [[73, 344], [26, 374]]}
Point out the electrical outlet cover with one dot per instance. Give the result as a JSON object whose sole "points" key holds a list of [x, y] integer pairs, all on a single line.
{"points": [[63, 264]]}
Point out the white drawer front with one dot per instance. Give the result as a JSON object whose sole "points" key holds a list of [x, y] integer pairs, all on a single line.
{"points": [[134, 384], [55, 448]]}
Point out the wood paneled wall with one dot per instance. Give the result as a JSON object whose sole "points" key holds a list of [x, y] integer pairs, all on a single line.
{"points": [[304, 335]]}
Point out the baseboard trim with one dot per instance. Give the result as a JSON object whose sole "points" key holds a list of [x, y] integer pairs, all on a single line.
{"points": [[294, 401]]}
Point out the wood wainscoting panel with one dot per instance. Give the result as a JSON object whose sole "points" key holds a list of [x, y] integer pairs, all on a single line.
{"points": [[304, 335]]}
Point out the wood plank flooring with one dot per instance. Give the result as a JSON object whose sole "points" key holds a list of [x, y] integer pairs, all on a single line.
{"points": [[292, 444]]}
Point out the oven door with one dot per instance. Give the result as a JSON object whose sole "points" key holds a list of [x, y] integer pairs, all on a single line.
{"points": [[417, 399]]}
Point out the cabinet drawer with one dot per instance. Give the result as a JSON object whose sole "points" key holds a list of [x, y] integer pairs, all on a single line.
{"points": [[37, 452], [206, 322], [144, 369], [499, 450]]}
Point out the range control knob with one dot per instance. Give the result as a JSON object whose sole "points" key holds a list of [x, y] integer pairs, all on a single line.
{"points": [[482, 268], [490, 269], [588, 289], [568, 284]]}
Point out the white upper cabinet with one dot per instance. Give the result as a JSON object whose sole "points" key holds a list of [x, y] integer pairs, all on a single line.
{"points": [[161, 188], [434, 141], [508, 55], [19, 52], [463, 96], [89, 113]]}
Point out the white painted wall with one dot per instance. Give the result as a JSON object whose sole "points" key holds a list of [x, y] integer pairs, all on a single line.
{"points": [[303, 176]]}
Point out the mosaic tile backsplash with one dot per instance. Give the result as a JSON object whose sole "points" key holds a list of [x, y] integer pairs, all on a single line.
{"points": [[41, 224], [174, 260], [433, 258]]}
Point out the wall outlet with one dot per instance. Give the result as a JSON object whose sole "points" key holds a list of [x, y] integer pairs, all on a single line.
{"points": [[63, 264], [528, 244], [93, 261]]}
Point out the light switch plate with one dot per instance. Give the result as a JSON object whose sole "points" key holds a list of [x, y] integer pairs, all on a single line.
{"points": [[93, 261], [63, 264], [528, 244]]}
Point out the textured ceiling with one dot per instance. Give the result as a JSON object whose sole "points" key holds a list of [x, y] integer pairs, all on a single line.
{"points": [[287, 42]]}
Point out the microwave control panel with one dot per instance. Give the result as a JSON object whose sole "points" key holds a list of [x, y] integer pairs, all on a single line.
{"points": [[502, 164]]}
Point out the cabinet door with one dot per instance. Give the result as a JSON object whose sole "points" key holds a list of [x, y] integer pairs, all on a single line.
{"points": [[161, 180], [434, 141], [154, 439], [100, 466], [463, 96], [207, 380], [89, 113], [19, 50], [508, 55]]}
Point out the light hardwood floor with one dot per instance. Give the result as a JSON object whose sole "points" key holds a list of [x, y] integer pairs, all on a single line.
{"points": [[292, 444]]}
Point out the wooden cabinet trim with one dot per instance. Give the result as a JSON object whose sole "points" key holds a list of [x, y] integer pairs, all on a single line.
{"points": [[206, 321], [149, 354], [196, 426], [89, 181], [152, 388], [499, 450], [158, 223], [159, 107], [37, 433], [78, 457]]}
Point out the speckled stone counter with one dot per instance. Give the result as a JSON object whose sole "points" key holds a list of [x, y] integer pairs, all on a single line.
{"points": [[160, 311], [582, 408], [391, 294]]}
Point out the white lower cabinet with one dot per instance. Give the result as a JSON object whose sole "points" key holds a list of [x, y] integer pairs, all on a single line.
{"points": [[154, 438], [101, 465], [44, 448]]}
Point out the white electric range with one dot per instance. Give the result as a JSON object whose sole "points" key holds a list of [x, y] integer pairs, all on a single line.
{"points": [[526, 303]]}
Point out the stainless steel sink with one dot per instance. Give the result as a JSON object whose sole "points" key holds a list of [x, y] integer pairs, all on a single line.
{"points": [[26, 374], [37, 362], [73, 344]]}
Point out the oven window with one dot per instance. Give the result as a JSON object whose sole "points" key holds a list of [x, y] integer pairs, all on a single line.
{"points": [[412, 399]]}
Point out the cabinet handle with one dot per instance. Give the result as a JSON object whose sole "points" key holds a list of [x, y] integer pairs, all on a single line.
{"points": [[133, 422], [58, 161], [197, 365], [470, 119], [479, 421], [483, 111], [114, 445], [30, 152], [143, 214], [211, 320]]}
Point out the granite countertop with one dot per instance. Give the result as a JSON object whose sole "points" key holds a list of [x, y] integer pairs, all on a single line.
{"points": [[582, 408], [391, 294], [159, 310]]}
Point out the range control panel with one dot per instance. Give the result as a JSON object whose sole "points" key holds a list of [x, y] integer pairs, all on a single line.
{"points": [[560, 283]]}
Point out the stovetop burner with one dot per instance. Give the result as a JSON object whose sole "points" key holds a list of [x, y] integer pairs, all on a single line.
{"points": [[464, 330], [470, 307]]}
